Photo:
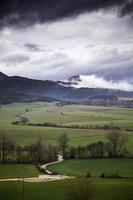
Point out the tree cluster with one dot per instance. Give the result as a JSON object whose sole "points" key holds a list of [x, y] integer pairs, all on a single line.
{"points": [[37, 152], [114, 147]]}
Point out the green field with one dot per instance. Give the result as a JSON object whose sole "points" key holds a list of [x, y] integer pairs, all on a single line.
{"points": [[8, 171], [123, 167], [41, 112], [72, 114], [102, 189]]}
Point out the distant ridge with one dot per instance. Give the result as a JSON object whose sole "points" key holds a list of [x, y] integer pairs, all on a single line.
{"points": [[20, 89]]}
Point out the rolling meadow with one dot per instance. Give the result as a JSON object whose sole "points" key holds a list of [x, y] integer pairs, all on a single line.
{"points": [[84, 125]]}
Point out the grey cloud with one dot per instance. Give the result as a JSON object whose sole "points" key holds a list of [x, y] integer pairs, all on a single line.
{"points": [[33, 47], [115, 66], [15, 59], [101, 43]]}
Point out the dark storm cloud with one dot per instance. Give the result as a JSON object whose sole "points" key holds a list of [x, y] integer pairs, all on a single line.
{"points": [[98, 45], [28, 12], [127, 8]]}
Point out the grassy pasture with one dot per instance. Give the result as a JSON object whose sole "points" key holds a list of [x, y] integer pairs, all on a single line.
{"points": [[124, 167], [8, 171], [26, 135], [40, 112], [50, 112], [70, 114], [102, 189]]}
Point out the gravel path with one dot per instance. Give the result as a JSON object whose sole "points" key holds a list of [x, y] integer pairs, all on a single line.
{"points": [[42, 178], [44, 167]]}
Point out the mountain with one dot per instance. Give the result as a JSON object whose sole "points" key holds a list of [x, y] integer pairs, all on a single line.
{"points": [[20, 89], [2, 76]]}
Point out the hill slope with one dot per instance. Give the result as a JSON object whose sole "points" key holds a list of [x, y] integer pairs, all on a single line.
{"points": [[19, 89]]}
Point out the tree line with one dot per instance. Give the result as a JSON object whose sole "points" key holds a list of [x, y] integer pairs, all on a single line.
{"points": [[24, 121], [114, 147], [38, 152]]}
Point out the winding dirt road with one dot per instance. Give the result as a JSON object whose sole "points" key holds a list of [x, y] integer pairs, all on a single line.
{"points": [[44, 167], [42, 178]]}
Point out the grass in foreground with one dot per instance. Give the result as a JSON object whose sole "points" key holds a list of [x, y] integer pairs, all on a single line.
{"points": [[17, 171], [102, 189], [123, 167]]}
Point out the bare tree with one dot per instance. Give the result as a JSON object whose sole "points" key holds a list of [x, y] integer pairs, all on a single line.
{"points": [[80, 151], [7, 146], [116, 144], [37, 151], [19, 153], [63, 144], [52, 153], [72, 152], [96, 149]]}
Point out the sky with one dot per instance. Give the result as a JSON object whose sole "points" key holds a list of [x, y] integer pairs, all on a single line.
{"points": [[57, 39]]}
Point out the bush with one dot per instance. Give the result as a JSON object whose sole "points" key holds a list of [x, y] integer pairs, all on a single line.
{"points": [[110, 175], [81, 190], [88, 175], [16, 123]]}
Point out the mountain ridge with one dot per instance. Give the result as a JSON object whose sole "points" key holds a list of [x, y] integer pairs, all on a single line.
{"points": [[22, 89]]}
